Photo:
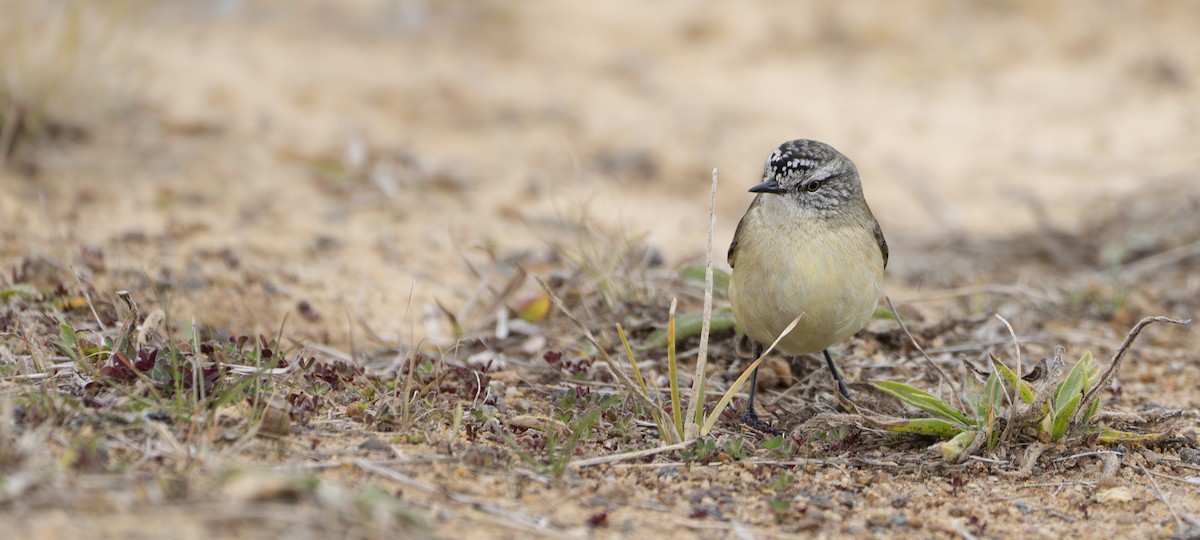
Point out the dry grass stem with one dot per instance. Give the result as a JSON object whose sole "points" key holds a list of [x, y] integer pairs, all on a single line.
{"points": [[941, 373], [637, 454], [1115, 363], [1179, 526], [695, 410], [1010, 421], [1150, 264]]}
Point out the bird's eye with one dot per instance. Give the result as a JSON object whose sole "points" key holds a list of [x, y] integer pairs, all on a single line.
{"points": [[813, 186]]}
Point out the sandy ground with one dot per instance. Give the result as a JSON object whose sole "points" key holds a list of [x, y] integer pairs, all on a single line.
{"points": [[351, 155]]}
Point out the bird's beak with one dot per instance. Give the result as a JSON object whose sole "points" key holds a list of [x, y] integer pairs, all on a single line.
{"points": [[769, 186]]}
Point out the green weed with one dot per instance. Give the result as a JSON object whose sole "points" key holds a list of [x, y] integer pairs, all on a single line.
{"points": [[1058, 408]]}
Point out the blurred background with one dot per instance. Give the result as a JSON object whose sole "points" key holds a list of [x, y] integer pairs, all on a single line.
{"points": [[346, 157]]}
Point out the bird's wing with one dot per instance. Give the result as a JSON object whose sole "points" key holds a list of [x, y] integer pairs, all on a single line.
{"points": [[731, 257], [878, 238]]}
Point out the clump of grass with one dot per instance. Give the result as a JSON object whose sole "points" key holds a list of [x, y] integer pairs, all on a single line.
{"points": [[186, 381], [615, 263], [558, 453], [1004, 408]]}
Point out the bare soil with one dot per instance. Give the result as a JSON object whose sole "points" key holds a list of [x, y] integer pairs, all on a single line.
{"points": [[368, 188]]}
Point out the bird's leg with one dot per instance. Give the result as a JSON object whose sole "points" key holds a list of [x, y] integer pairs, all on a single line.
{"points": [[837, 375], [750, 417]]}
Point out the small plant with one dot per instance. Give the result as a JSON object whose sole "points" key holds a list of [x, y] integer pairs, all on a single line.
{"points": [[1004, 405], [677, 425], [559, 456], [779, 445], [783, 481], [1058, 414], [736, 449], [702, 451]]}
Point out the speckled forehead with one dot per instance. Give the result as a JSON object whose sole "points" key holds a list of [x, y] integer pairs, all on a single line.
{"points": [[791, 161]]}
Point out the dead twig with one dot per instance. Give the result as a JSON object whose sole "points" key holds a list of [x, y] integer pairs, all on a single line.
{"points": [[1158, 493], [1115, 363], [913, 340], [1160, 260], [625, 456], [1012, 409]]}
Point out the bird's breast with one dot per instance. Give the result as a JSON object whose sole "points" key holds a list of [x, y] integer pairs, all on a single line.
{"points": [[828, 272]]}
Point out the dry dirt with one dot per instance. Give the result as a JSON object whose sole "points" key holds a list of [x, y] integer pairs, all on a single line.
{"points": [[361, 177]]}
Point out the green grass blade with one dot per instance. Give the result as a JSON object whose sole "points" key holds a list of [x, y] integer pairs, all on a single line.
{"points": [[1074, 383], [1025, 390], [1087, 417], [637, 373], [993, 393], [923, 400], [885, 314], [580, 427], [689, 325], [673, 372], [1062, 417]]}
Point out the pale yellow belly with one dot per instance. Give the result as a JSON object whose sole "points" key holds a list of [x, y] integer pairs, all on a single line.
{"points": [[830, 275]]}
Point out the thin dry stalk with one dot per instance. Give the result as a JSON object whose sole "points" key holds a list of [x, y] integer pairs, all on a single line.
{"points": [[994, 289], [1028, 460], [939, 207], [83, 290], [411, 362], [961, 529], [1158, 493], [913, 340], [1159, 260], [502, 515], [695, 410], [8, 132], [976, 444], [637, 373], [1115, 363], [1011, 419], [673, 370], [626, 456]]}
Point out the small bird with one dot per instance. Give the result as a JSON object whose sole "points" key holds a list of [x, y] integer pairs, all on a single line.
{"points": [[808, 246]]}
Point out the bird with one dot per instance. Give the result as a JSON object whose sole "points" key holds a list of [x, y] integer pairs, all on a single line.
{"points": [[808, 247]]}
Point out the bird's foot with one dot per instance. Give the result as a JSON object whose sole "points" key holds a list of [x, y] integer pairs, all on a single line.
{"points": [[750, 418]]}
